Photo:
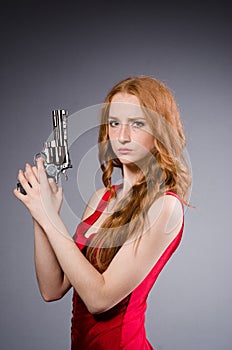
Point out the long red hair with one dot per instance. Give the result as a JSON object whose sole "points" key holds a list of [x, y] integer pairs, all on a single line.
{"points": [[166, 167]]}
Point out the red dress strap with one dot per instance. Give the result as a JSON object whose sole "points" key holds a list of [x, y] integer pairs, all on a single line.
{"points": [[177, 196], [101, 206], [84, 225]]}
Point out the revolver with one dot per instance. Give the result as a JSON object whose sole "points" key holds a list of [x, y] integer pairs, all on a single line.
{"points": [[55, 152]]}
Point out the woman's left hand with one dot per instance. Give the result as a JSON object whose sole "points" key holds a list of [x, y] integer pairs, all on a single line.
{"points": [[43, 197]]}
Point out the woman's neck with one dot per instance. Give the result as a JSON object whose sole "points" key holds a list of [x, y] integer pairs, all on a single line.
{"points": [[130, 177]]}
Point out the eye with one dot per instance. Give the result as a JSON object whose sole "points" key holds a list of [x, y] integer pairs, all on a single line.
{"points": [[113, 123], [138, 124]]}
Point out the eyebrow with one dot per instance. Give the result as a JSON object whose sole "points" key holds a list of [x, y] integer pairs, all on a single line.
{"points": [[131, 118]]}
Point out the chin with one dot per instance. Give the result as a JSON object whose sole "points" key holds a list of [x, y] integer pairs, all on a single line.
{"points": [[129, 161], [125, 161]]}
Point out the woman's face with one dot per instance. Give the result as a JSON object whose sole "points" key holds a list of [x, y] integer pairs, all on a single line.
{"points": [[129, 133]]}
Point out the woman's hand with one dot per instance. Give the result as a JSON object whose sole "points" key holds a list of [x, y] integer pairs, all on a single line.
{"points": [[43, 197]]}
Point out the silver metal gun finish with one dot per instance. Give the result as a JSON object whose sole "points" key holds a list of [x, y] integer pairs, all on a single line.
{"points": [[55, 152]]}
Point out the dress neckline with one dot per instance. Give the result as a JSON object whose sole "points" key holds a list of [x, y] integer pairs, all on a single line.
{"points": [[81, 240]]}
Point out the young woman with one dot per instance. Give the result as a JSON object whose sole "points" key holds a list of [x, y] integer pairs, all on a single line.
{"points": [[128, 231]]}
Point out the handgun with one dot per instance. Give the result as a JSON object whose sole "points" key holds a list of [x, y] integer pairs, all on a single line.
{"points": [[55, 152]]}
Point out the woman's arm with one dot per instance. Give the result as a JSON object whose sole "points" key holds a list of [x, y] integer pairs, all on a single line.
{"points": [[53, 283], [129, 267]]}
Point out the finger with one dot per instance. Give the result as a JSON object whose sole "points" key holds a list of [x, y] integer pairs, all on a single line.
{"points": [[30, 176], [19, 195], [25, 172], [53, 185], [60, 190], [35, 171], [23, 181], [42, 176]]}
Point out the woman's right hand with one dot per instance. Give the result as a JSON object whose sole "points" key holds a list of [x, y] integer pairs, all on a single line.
{"points": [[54, 188], [33, 176]]}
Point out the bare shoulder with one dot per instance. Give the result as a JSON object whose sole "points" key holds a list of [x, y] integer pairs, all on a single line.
{"points": [[166, 211], [93, 202]]}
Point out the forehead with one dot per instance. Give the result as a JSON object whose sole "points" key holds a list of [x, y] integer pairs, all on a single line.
{"points": [[123, 104]]}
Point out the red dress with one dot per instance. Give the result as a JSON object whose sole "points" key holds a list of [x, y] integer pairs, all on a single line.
{"points": [[121, 327]]}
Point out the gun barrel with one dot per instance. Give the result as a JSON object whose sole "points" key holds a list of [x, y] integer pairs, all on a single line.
{"points": [[60, 126]]}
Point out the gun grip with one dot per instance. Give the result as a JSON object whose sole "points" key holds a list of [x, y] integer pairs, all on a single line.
{"points": [[21, 189]]}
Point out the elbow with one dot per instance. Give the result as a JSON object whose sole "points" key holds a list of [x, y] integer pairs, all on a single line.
{"points": [[48, 298], [98, 308], [95, 310], [50, 294]]}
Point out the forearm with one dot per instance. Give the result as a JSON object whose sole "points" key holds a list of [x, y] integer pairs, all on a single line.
{"points": [[61, 259], [87, 281], [50, 276]]}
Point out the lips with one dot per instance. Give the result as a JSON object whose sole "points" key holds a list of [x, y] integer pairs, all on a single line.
{"points": [[124, 150]]}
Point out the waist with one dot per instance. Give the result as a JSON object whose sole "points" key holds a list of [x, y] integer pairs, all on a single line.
{"points": [[125, 313]]}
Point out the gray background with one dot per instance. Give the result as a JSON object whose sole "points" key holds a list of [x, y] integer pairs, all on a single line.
{"points": [[67, 54]]}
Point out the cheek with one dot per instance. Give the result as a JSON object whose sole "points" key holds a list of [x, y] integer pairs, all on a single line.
{"points": [[112, 140], [151, 143], [146, 141], [113, 143], [112, 134]]}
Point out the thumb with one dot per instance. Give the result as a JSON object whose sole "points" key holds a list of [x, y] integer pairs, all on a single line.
{"points": [[53, 185], [42, 174], [60, 190]]}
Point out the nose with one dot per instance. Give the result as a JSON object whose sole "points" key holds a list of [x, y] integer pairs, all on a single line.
{"points": [[124, 133]]}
